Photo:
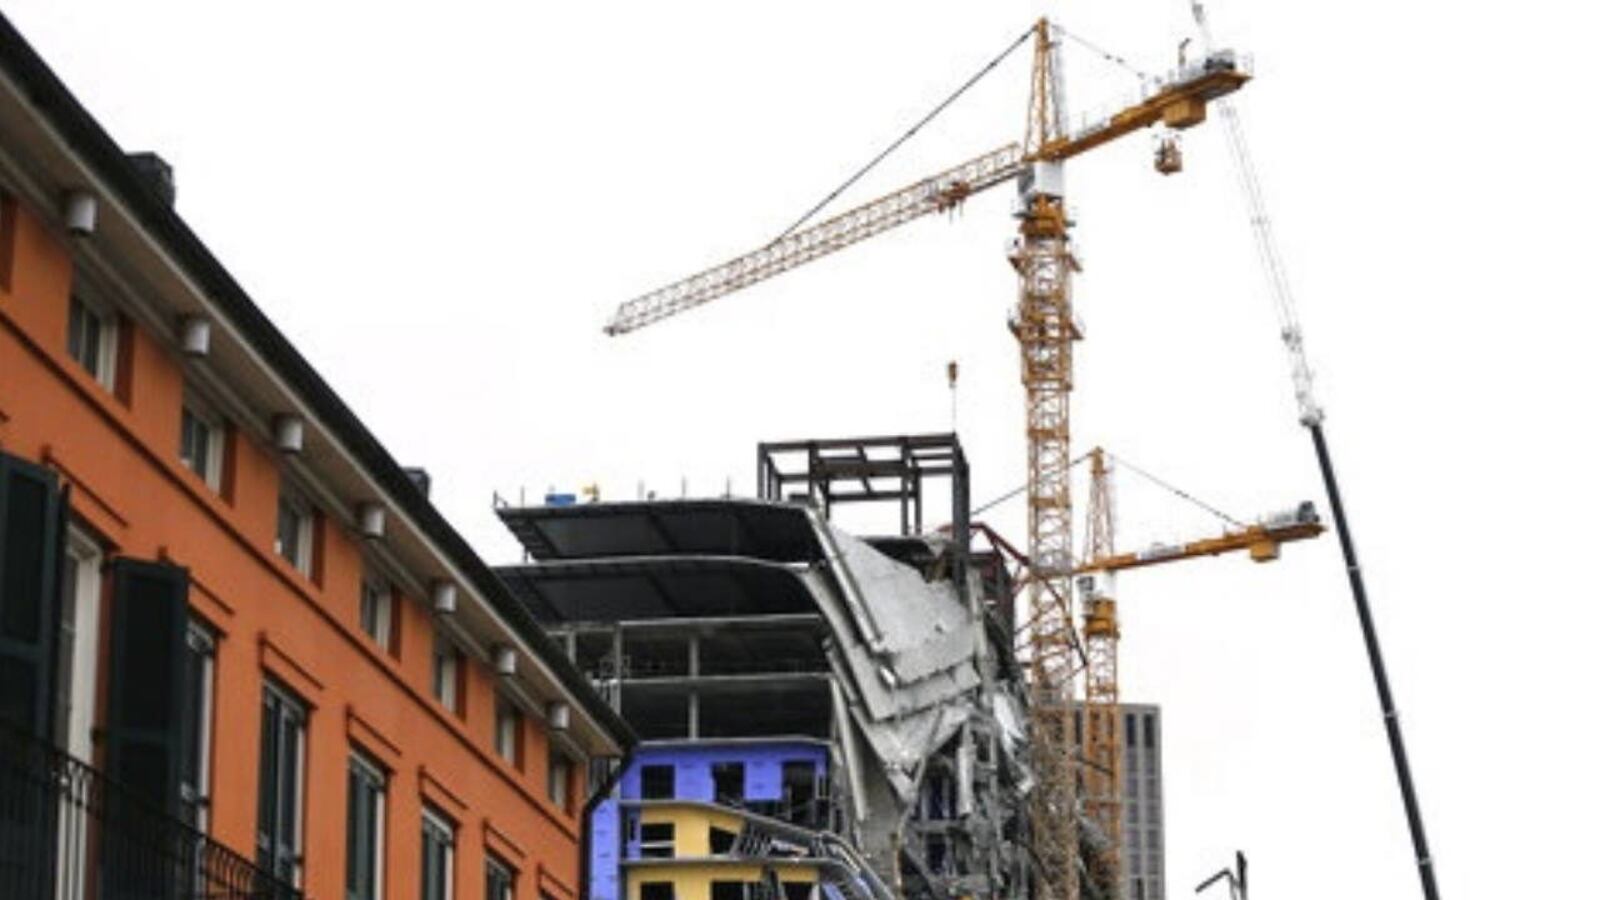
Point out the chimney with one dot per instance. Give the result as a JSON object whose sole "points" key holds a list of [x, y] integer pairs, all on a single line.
{"points": [[419, 478], [157, 175]]}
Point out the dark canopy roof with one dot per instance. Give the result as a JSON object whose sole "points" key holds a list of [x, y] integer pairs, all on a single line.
{"points": [[656, 588], [766, 531]]}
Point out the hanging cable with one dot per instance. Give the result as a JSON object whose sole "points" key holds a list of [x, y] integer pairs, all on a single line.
{"points": [[1103, 53], [832, 195], [1017, 490], [1178, 491], [999, 500]]}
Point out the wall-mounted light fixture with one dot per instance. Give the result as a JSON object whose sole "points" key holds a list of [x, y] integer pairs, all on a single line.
{"points": [[558, 715], [370, 519], [196, 336], [444, 598], [78, 212], [505, 661], [288, 433]]}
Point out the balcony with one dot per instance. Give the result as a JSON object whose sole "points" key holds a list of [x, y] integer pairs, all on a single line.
{"points": [[67, 832]]}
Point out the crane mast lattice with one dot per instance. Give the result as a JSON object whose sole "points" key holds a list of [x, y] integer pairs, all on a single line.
{"points": [[1102, 742], [1043, 325]]}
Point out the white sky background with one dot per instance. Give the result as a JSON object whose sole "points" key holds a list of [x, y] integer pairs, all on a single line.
{"points": [[442, 206]]}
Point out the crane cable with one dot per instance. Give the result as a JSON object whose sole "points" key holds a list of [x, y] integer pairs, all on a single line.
{"points": [[1180, 492], [945, 103], [1103, 53], [1017, 490], [895, 145], [1147, 475]]}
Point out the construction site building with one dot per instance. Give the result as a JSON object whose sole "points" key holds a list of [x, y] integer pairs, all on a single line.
{"points": [[821, 715]]}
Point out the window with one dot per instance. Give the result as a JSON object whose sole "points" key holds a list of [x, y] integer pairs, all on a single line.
{"points": [[728, 890], [797, 890], [78, 651], [438, 856], [655, 890], [722, 840], [446, 674], [199, 666], [77, 660], [727, 779], [377, 602], [507, 731], [657, 783], [92, 340], [363, 868], [558, 780], [294, 537], [279, 831], [200, 443], [499, 881], [656, 840], [800, 790]]}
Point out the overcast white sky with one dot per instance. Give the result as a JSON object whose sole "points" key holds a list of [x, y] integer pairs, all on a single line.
{"points": [[441, 205]]}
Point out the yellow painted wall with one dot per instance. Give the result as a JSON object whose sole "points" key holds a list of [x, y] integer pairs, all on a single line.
{"points": [[691, 826], [693, 882]]}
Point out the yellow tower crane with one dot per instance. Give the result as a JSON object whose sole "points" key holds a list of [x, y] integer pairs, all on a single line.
{"points": [[1102, 739], [1045, 327]]}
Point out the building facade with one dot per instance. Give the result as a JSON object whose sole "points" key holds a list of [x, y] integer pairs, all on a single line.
{"points": [[690, 820], [821, 716], [1144, 822], [241, 654]]}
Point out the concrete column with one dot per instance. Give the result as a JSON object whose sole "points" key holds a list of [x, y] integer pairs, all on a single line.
{"points": [[616, 664]]}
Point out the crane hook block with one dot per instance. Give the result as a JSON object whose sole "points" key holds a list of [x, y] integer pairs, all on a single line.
{"points": [[1169, 155]]}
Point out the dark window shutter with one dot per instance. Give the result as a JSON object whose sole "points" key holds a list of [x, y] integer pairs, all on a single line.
{"points": [[145, 718], [32, 532]]}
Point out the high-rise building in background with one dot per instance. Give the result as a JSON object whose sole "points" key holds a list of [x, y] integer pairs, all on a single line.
{"points": [[1144, 823]]}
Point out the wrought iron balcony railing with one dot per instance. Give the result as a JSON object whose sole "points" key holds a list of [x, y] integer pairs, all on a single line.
{"points": [[67, 832]]}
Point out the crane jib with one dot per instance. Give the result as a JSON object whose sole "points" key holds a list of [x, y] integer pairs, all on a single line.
{"points": [[1179, 102]]}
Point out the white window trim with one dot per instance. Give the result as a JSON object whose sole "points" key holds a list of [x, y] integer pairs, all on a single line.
{"points": [[210, 470], [380, 817], [495, 862], [503, 709], [429, 817], [199, 637], [87, 558], [302, 719], [384, 617], [110, 334], [446, 673], [300, 818], [564, 799], [304, 530]]}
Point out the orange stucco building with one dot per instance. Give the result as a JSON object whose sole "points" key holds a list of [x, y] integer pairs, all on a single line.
{"points": [[222, 598]]}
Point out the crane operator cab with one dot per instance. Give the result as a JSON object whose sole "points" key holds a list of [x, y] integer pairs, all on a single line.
{"points": [[1169, 152]]}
